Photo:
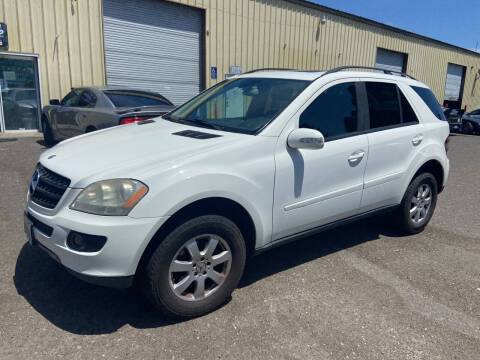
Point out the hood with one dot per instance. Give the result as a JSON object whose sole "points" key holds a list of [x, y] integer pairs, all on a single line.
{"points": [[132, 151]]}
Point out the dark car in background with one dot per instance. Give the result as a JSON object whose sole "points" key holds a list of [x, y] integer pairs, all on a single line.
{"points": [[88, 109], [454, 118], [471, 122]]}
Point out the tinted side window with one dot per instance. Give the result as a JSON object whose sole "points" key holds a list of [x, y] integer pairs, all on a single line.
{"points": [[71, 99], [430, 100], [383, 104], [476, 112], [333, 112], [408, 114], [87, 99]]}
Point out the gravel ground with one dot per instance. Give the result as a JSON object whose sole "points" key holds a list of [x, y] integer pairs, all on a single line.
{"points": [[356, 292]]}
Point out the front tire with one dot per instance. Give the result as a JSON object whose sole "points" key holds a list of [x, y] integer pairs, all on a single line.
{"points": [[418, 204], [196, 267]]}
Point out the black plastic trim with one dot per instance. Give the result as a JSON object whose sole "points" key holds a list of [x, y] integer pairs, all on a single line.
{"points": [[319, 229], [40, 226], [117, 282]]}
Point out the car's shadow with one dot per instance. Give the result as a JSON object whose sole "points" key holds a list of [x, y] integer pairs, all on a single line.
{"points": [[81, 308]]}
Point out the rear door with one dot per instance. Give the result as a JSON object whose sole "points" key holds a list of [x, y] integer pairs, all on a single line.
{"points": [[394, 137]]}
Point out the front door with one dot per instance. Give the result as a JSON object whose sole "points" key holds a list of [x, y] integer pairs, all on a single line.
{"points": [[316, 187], [19, 93]]}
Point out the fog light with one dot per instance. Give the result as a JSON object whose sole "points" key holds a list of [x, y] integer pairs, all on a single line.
{"points": [[85, 242]]}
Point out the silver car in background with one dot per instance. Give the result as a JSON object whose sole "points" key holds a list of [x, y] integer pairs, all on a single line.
{"points": [[88, 109]]}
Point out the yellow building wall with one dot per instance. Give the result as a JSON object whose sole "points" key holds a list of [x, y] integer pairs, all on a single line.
{"points": [[277, 33], [68, 37]]}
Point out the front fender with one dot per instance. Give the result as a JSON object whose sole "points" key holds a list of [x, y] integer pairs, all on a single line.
{"points": [[256, 197]]}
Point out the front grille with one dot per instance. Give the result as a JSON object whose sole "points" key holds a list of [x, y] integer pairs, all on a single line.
{"points": [[49, 189]]}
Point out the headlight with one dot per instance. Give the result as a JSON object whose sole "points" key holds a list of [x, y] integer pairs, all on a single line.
{"points": [[110, 197]]}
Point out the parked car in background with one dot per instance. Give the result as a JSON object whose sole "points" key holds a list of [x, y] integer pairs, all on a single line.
{"points": [[454, 118], [88, 109], [471, 122]]}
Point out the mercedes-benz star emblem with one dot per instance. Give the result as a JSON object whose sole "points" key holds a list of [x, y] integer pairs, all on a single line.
{"points": [[34, 181]]}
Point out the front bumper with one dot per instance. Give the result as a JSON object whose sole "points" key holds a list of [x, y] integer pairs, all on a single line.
{"points": [[113, 265]]}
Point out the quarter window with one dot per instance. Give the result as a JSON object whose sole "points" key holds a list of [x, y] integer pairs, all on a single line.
{"points": [[383, 104], [407, 112], [430, 100], [334, 112]]}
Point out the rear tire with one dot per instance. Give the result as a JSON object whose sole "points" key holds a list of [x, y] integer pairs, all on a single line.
{"points": [[47, 132], [418, 204], [196, 267], [468, 128]]}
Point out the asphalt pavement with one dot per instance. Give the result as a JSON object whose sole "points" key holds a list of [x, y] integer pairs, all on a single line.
{"points": [[357, 292]]}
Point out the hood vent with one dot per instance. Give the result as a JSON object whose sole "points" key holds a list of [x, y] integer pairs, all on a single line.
{"points": [[196, 134]]}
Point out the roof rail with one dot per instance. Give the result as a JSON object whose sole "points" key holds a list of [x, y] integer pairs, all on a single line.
{"points": [[389, 72], [268, 69]]}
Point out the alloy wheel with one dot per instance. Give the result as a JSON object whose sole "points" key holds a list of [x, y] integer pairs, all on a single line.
{"points": [[200, 267], [420, 203]]}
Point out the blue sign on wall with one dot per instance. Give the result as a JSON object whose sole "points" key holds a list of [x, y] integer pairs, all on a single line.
{"points": [[3, 35], [213, 72]]}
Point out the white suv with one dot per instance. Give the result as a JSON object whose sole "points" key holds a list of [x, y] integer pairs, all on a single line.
{"points": [[179, 202]]}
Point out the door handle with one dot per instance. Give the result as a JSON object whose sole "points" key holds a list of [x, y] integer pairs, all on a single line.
{"points": [[417, 139], [356, 156]]}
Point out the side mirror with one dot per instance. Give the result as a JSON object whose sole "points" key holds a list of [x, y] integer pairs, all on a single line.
{"points": [[54, 102], [305, 139]]}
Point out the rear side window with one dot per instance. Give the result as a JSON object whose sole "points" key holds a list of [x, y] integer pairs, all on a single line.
{"points": [[333, 112], [430, 100], [122, 98], [87, 99], [383, 104]]}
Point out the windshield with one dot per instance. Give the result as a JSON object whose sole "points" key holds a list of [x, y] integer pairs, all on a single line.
{"points": [[243, 105]]}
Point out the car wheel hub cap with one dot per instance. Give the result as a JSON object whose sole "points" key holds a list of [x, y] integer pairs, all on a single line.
{"points": [[420, 203], [200, 267]]}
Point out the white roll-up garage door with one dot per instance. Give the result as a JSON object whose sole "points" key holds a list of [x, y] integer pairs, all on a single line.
{"points": [[453, 84], [390, 60], [153, 45]]}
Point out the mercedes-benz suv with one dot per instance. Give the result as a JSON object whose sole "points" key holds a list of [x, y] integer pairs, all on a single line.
{"points": [[179, 202]]}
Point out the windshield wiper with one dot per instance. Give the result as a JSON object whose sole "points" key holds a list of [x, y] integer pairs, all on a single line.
{"points": [[199, 122]]}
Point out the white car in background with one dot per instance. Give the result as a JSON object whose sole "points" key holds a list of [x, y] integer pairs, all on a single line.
{"points": [[260, 159]]}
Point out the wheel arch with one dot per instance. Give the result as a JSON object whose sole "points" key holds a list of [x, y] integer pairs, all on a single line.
{"points": [[90, 128], [434, 167], [222, 206]]}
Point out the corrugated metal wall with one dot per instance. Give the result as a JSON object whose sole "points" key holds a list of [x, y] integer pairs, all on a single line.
{"points": [[67, 36], [278, 33], [249, 33]]}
